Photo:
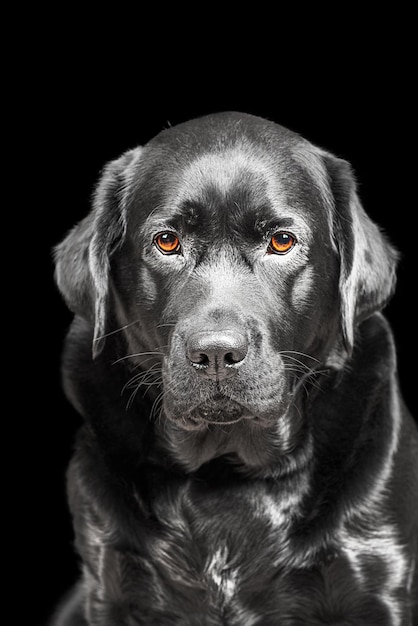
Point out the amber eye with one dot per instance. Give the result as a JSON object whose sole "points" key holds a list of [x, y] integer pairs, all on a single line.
{"points": [[281, 243], [168, 243]]}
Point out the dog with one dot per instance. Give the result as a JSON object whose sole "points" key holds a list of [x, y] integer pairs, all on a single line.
{"points": [[246, 458]]}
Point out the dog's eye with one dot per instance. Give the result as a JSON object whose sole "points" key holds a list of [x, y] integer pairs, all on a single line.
{"points": [[281, 243], [167, 243]]}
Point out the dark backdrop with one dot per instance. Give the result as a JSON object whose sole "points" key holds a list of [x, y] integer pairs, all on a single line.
{"points": [[79, 126]]}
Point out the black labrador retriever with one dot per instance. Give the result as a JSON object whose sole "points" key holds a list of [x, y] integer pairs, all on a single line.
{"points": [[246, 457]]}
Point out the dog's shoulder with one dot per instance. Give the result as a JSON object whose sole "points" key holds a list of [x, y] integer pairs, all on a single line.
{"points": [[359, 420]]}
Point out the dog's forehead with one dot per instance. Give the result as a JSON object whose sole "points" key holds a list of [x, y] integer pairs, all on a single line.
{"points": [[238, 186], [236, 170], [229, 172]]}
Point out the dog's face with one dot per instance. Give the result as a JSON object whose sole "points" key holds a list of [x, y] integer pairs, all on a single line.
{"points": [[240, 254], [228, 259]]}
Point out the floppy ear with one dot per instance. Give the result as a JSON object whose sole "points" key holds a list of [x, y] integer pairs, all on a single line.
{"points": [[367, 260], [83, 258]]}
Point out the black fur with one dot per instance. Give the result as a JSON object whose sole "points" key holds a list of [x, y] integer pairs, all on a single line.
{"points": [[277, 487]]}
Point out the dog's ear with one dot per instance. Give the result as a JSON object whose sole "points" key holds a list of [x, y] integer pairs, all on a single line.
{"points": [[83, 258], [367, 260]]}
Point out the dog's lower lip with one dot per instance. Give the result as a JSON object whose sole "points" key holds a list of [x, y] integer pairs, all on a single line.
{"points": [[223, 422], [210, 420], [226, 412]]}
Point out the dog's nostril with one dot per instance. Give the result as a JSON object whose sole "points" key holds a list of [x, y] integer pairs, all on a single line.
{"points": [[217, 352], [229, 359], [199, 358], [232, 358]]}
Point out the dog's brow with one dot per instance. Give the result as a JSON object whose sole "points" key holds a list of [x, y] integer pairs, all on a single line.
{"points": [[158, 218], [265, 226]]}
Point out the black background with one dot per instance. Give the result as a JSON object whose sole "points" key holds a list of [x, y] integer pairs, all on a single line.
{"points": [[81, 117]]}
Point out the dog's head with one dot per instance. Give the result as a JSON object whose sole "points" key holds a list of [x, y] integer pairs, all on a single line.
{"points": [[238, 259]]}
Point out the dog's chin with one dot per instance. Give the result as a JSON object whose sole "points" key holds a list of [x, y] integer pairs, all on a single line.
{"points": [[217, 412]]}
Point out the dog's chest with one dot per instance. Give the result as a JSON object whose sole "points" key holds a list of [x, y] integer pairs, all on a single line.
{"points": [[226, 553], [219, 548], [239, 527]]}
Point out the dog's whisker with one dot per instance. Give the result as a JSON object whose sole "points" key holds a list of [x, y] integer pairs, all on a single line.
{"points": [[158, 402], [310, 377], [137, 388], [299, 362], [143, 379], [142, 362], [118, 330], [304, 354], [308, 372], [138, 354], [145, 373]]}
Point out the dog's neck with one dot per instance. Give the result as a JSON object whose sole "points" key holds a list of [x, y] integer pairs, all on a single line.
{"points": [[250, 449]]}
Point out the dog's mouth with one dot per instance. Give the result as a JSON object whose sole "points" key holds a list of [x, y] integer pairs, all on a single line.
{"points": [[220, 411]]}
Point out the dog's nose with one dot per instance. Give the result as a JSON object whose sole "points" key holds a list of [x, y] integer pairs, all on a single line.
{"points": [[217, 354]]}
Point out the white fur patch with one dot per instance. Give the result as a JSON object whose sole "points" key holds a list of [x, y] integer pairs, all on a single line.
{"points": [[280, 513], [383, 544], [224, 577]]}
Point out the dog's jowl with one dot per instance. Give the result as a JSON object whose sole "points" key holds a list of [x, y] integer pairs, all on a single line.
{"points": [[246, 458]]}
